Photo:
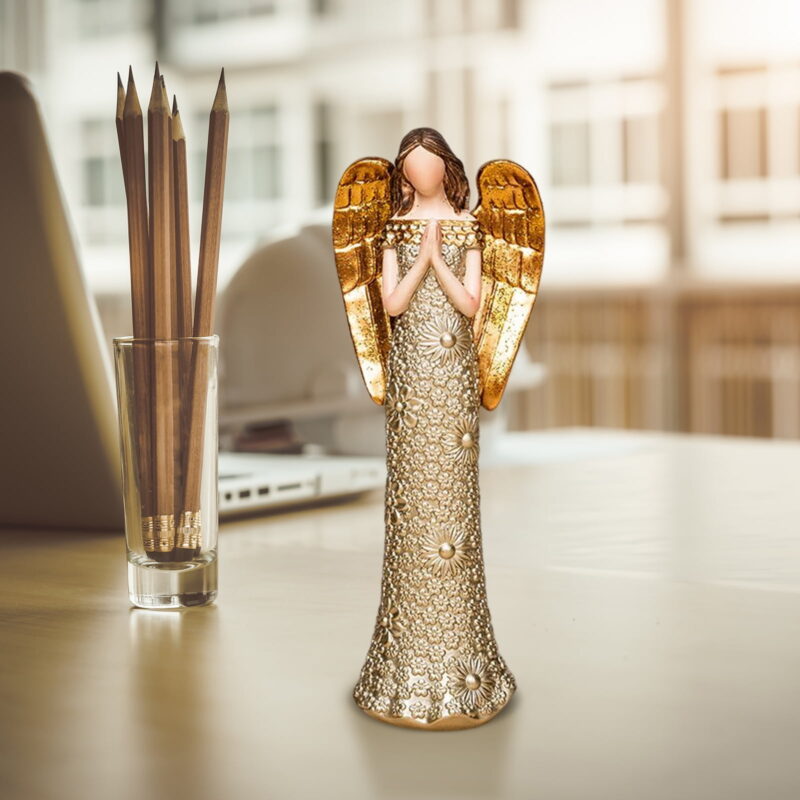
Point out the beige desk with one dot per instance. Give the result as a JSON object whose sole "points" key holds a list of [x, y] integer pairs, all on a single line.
{"points": [[646, 596]]}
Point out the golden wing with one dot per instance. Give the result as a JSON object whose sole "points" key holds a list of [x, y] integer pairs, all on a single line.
{"points": [[511, 219], [360, 211]]}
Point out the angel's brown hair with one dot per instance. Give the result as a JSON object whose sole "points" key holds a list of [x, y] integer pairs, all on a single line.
{"points": [[456, 185]]}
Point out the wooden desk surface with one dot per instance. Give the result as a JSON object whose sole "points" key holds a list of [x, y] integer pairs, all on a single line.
{"points": [[646, 597]]}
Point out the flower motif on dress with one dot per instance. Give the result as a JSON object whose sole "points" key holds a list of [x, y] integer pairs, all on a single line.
{"points": [[431, 488], [445, 552], [434, 635], [470, 681], [462, 440], [419, 666], [396, 707], [431, 469], [434, 713], [438, 393], [424, 385], [402, 407], [397, 506], [451, 639], [380, 705], [453, 707], [455, 386], [444, 339], [420, 689], [390, 624]]}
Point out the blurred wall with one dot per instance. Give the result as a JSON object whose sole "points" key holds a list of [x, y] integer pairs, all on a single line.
{"points": [[663, 135]]}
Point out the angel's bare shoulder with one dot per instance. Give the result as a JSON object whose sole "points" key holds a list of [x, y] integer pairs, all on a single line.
{"points": [[467, 215]]}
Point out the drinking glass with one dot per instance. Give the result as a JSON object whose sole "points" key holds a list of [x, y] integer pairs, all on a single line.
{"points": [[167, 406]]}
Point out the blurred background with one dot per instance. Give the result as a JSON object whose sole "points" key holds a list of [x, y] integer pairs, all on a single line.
{"points": [[664, 136]]}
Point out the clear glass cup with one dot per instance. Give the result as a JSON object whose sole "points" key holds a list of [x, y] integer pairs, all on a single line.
{"points": [[167, 406]]}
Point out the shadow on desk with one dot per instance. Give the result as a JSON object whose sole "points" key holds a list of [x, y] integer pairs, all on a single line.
{"points": [[405, 762], [172, 699]]}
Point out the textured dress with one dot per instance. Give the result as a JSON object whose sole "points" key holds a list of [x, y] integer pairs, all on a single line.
{"points": [[433, 661]]}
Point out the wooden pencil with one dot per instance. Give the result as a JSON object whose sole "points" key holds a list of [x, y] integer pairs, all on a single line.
{"points": [[210, 233], [181, 201], [183, 305], [172, 347], [160, 251], [182, 308], [121, 131], [138, 233], [173, 273], [138, 244], [211, 225], [150, 168], [157, 547]]}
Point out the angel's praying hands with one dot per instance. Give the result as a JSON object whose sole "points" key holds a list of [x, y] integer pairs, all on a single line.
{"points": [[466, 296], [396, 293]]}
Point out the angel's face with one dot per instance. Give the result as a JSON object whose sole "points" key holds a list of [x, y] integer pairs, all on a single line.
{"points": [[424, 170]]}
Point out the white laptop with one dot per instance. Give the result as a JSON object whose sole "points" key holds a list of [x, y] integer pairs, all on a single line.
{"points": [[250, 481], [59, 450]]}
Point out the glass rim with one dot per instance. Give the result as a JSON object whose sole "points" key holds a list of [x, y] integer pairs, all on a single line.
{"points": [[126, 340]]}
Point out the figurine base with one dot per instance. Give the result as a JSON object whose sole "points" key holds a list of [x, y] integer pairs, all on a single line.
{"points": [[454, 722]]}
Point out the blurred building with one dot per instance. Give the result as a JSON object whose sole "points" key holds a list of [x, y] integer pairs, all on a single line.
{"points": [[663, 135]]}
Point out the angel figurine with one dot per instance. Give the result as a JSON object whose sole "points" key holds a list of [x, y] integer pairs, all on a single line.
{"points": [[437, 300]]}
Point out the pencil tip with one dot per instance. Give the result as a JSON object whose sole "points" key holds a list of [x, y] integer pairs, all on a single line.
{"points": [[132, 106], [174, 104], [177, 125], [221, 97], [156, 94], [164, 103], [120, 97], [157, 73]]}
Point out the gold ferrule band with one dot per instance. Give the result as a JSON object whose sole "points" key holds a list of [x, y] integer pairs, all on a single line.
{"points": [[148, 533], [163, 537], [188, 533]]}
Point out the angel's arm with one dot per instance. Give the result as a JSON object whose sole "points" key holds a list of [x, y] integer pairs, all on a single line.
{"points": [[466, 297], [397, 295]]}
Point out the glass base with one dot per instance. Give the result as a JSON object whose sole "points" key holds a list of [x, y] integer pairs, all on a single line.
{"points": [[179, 584]]}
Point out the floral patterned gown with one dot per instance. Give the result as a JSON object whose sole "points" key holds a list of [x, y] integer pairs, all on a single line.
{"points": [[433, 661]]}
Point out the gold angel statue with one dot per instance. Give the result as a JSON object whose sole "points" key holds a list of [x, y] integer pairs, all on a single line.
{"points": [[437, 300]]}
